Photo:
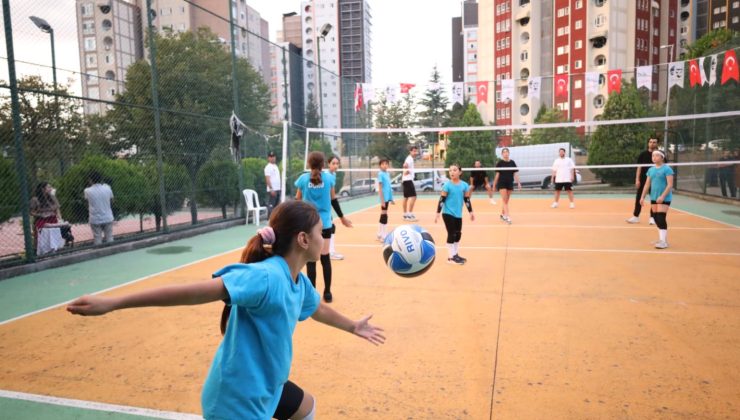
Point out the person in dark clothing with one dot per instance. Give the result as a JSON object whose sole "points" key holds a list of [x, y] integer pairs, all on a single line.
{"points": [[479, 179], [504, 182], [727, 175], [645, 158]]}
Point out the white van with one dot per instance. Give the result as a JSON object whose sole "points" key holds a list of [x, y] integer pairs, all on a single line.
{"points": [[540, 158], [425, 180]]}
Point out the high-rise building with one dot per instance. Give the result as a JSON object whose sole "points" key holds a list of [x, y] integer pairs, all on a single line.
{"points": [[110, 40], [465, 48], [566, 39], [713, 14], [110, 37], [355, 58], [286, 86]]}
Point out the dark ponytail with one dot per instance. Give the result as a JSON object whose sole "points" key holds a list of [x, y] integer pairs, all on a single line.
{"points": [[288, 219], [316, 164]]}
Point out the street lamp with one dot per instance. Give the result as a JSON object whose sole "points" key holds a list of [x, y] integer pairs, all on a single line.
{"points": [[668, 94], [322, 37], [45, 27]]}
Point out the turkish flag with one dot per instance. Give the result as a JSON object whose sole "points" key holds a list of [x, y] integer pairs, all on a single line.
{"points": [[561, 86], [406, 87], [358, 97], [615, 80], [482, 89], [729, 68], [694, 73]]}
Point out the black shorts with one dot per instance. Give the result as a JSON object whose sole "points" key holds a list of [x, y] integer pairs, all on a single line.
{"points": [[479, 185], [290, 401], [665, 203], [505, 185], [333, 228], [326, 233], [408, 189], [559, 186]]}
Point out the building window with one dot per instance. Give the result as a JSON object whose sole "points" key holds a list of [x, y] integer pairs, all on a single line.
{"points": [[579, 4], [563, 11], [565, 30], [599, 3], [562, 69], [577, 84], [565, 49], [88, 27], [91, 60], [524, 55], [89, 44], [577, 104], [87, 9], [578, 44], [524, 109], [600, 21], [599, 101], [578, 64], [600, 61], [108, 58], [579, 24]]}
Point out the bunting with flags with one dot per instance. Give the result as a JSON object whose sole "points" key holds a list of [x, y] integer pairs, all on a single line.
{"points": [[675, 74], [482, 91], [507, 90], [358, 97], [561, 86], [713, 69], [694, 74], [534, 85], [644, 76], [458, 93], [592, 83], [406, 87], [729, 67], [614, 78]]}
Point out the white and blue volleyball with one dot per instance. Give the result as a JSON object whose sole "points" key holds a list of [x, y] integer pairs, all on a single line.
{"points": [[409, 250]]}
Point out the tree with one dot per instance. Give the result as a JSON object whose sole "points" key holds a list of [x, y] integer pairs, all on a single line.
{"points": [[176, 186], [394, 146], [10, 192], [51, 128], [435, 105], [619, 144], [465, 147], [547, 135], [194, 88], [217, 181]]}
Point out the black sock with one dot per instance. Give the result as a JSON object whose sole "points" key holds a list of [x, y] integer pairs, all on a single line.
{"points": [[326, 265], [311, 272]]}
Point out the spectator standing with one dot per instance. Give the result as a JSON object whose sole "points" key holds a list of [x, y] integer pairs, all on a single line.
{"points": [[272, 180], [99, 197]]}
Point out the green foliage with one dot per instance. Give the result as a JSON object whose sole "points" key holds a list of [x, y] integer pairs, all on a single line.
{"points": [[435, 104], [218, 183], [125, 179], [254, 176], [711, 42], [547, 135], [10, 192], [51, 128], [394, 146], [176, 184], [619, 144], [465, 148]]}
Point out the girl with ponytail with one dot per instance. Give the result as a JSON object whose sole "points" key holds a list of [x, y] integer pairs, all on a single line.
{"points": [[317, 187], [267, 295]]}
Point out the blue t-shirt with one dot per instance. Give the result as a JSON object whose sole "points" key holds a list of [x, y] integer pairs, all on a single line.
{"points": [[318, 195], [455, 193], [252, 362], [385, 183], [658, 182]]}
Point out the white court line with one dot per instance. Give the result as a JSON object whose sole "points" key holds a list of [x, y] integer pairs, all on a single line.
{"points": [[593, 250], [518, 225], [90, 405], [130, 282], [706, 218], [554, 212]]}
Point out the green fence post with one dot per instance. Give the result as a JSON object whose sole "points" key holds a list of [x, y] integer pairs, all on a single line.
{"points": [[20, 160], [235, 94]]}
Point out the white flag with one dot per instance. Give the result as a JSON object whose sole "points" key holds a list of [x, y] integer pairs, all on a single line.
{"points": [[534, 85], [457, 93], [391, 93], [592, 82], [507, 90], [368, 92], [644, 77], [702, 73], [675, 74], [713, 69]]}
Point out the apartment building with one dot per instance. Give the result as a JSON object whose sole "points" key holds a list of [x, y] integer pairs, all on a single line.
{"points": [[712, 14]]}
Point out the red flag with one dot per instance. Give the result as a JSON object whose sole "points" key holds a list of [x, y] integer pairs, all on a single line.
{"points": [[615, 80], [729, 68], [694, 74], [561, 86], [482, 89], [358, 97], [406, 87]]}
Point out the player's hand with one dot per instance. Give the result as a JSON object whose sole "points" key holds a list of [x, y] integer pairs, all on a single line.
{"points": [[642, 202], [637, 184], [659, 200], [91, 305], [346, 222], [273, 193], [369, 332], [519, 187], [472, 217], [436, 218]]}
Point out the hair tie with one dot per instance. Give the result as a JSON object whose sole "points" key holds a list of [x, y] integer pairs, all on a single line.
{"points": [[267, 234]]}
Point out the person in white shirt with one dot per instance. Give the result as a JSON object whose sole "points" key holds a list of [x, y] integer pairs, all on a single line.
{"points": [[409, 191], [272, 180], [564, 175], [99, 197]]}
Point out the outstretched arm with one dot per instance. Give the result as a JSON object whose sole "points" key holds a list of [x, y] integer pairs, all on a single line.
{"points": [[182, 294], [326, 315]]}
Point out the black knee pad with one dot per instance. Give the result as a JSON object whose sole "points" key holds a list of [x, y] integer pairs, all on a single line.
{"points": [[458, 235], [383, 219], [660, 221]]}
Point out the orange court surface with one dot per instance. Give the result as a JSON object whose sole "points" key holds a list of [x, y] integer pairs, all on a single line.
{"points": [[564, 314]]}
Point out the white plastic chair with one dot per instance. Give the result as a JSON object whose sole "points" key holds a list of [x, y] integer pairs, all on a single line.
{"points": [[253, 205]]}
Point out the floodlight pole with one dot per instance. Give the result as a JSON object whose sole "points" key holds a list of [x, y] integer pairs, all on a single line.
{"points": [[668, 95]]}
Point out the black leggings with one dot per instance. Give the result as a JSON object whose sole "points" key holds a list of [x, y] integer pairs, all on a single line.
{"points": [[454, 228], [290, 401], [638, 207], [326, 266]]}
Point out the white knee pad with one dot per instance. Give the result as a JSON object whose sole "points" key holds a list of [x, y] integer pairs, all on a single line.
{"points": [[312, 414]]}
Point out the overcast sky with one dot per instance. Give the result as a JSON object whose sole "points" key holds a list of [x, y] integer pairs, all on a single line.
{"points": [[410, 37]]}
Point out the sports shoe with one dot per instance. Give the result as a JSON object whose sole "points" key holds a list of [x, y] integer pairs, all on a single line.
{"points": [[327, 297], [502, 217], [633, 220], [405, 217], [464, 260], [508, 219], [412, 218], [455, 260], [652, 221], [493, 201], [661, 244], [380, 238], [554, 205], [336, 256], [572, 205]]}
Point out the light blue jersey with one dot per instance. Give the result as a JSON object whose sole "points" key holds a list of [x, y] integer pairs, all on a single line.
{"points": [[252, 362], [318, 195], [455, 193], [658, 182], [385, 183]]}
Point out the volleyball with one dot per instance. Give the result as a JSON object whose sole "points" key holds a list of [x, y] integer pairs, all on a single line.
{"points": [[409, 250]]}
